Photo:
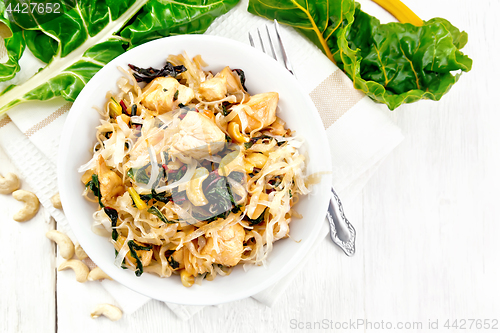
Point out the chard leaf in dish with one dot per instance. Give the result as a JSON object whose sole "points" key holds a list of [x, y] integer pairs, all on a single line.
{"points": [[150, 73], [258, 220], [134, 247], [87, 35], [95, 187], [113, 216], [155, 211], [393, 63], [174, 264]]}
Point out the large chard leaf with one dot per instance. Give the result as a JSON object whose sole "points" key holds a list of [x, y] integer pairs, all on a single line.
{"points": [[15, 45], [320, 21], [161, 19], [392, 63], [400, 63], [90, 33], [79, 33]]}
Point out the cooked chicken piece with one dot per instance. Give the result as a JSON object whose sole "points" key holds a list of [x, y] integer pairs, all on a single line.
{"points": [[278, 127], [230, 242], [198, 137], [233, 82], [111, 184], [166, 95], [213, 89], [141, 146], [261, 110]]}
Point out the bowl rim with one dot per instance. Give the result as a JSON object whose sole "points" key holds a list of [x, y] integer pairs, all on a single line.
{"points": [[100, 260]]}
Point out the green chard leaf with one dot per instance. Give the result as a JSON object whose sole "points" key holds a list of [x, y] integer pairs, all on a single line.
{"points": [[88, 34], [134, 247], [113, 216], [14, 44], [258, 220], [166, 18], [35, 39], [139, 175], [155, 211], [95, 187], [174, 264], [393, 63]]}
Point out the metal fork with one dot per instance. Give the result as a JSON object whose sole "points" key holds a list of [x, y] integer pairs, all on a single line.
{"points": [[286, 62], [342, 232]]}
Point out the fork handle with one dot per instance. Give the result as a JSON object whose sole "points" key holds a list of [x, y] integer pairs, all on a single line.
{"points": [[339, 224]]}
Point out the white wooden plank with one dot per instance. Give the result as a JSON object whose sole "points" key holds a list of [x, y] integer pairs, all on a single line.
{"points": [[433, 202], [27, 279]]}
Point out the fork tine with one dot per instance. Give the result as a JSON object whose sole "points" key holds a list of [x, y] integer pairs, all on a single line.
{"points": [[251, 39], [261, 42], [271, 43], [288, 65]]}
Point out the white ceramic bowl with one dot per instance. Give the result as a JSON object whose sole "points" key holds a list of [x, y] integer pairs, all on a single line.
{"points": [[263, 74]]}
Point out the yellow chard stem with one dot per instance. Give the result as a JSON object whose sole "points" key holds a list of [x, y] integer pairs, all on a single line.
{"points": [[400, 11], [140, 204], [316, 31]]}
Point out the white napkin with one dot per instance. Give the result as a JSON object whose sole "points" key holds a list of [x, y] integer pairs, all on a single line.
{"points": [[360, 135]]}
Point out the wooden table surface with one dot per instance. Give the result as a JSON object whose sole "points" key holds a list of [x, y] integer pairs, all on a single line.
{"points": [[428, 230]]}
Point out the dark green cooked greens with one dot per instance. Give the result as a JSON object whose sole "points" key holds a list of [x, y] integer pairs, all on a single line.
{"points": [[150, 73], [95, 187], [392, 63]]}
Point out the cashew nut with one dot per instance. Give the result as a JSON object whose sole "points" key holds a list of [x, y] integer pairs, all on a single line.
{"points": [[30, 208], [80, 253], [97, 274], [56, 201], [9, 183], [81, 270], [108, 310], [194, 190], [186, 279], [234, 132], [257, 160], [66, 247]]}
